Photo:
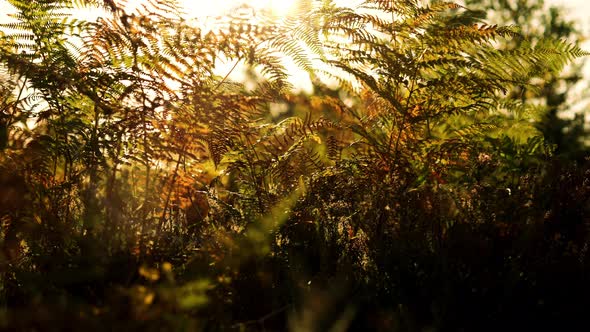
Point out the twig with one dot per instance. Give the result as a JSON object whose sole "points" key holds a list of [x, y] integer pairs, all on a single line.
{"points": [[263, 318]]}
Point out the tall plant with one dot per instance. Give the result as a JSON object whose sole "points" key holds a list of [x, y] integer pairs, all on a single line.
{"points": [[141, 152], [537, 22]]}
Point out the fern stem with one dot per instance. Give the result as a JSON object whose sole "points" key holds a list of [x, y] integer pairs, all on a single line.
{"points": [[169, 194], [227, 75], [406, 111]]}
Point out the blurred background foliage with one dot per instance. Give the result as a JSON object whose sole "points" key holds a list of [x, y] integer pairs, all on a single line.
{"points": [[561, 126], [427, 183]]}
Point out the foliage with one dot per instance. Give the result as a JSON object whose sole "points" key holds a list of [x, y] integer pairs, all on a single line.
{"points": [[141, 189], [566, 131]]}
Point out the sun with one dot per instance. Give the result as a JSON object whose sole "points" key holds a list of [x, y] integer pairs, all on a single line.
{"points": [[212, 8]]}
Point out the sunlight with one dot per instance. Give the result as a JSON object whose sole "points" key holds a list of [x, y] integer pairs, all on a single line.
{"points": [[204, 8]]}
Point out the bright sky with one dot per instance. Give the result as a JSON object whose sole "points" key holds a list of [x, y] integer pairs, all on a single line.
{"points": [[575, 9], [204, 8], [579, 8], [216, 7]]}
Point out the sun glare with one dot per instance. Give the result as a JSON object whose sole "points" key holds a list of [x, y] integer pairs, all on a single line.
{"points": [[205, 8]]}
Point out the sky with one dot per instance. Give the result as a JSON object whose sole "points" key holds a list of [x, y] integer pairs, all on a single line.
{"points": [[577, 8], [574, 9]]}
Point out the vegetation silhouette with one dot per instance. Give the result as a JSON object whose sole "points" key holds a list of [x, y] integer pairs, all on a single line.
{"points": [[411, 191]]}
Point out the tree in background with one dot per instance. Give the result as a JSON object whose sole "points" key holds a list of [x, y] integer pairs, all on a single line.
{"points": [[568, 135]]}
